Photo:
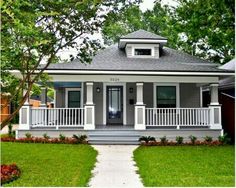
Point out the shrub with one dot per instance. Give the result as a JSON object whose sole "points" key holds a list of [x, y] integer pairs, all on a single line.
{"points": [[80, 138], [192, 139], [28, 135], [179, 139], [9, 173], [9, 129], [62, 137], [11, 133], [163, 140], [224, 139], [208, 139], [46, 136], [147, 139]]}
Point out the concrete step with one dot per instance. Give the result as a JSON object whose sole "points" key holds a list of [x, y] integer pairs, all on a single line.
{"points": [[104, 142], [113, 137]]}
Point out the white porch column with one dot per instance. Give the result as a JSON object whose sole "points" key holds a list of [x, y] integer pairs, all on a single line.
{"points": [[89, 108], [215, 108], [25, 114], [139, 94], [25, 117], [139, 111], [214, 94], [43, 97], [89, 93]]}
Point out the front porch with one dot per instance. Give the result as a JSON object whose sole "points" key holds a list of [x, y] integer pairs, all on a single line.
{"points": [[126, 106]]}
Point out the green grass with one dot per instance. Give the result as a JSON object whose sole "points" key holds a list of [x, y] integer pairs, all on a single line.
{"points": [[50, 164], [186, 165]]}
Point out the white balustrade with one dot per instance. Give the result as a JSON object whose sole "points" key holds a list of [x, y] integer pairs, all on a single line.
{"points": [[177, 117], [57, 117]]}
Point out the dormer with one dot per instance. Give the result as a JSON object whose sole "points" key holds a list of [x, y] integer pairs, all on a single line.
{"points": [[142, 44]]}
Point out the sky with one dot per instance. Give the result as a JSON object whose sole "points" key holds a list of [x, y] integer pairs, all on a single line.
{"points": [[146, 5]]}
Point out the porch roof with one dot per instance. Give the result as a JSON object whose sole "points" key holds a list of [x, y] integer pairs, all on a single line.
{"points": [[114, 59]]}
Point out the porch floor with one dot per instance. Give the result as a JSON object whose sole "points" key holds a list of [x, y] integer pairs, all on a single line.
{"points": [[114, 127]]}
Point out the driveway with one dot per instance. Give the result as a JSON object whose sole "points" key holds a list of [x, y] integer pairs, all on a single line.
{"points": [[115, 167]]}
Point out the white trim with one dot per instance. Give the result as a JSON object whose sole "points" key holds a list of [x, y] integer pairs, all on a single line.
{"points": [[82, 95], [136, 78], [122, 42], [55, 98], [66, 95], [201, 100], [105, 84], [166, 84], [104, 72], [214, 85]]}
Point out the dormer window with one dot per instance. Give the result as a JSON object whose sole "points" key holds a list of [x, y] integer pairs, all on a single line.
{"points": [[143, 52]]}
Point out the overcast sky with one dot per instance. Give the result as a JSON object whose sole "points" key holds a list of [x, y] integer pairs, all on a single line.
{"points": [[146, 5]]}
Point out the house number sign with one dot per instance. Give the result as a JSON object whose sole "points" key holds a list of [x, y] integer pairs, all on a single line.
{"points": [[114, 79]]}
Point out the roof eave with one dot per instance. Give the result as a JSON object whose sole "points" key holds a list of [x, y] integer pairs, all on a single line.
{"points": [[124, 41]]}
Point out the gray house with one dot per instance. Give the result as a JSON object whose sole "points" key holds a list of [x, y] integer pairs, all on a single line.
{"points": [[134, 88]]}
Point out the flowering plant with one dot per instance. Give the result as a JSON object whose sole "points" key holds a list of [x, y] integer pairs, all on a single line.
{"points": [[9, 173]]}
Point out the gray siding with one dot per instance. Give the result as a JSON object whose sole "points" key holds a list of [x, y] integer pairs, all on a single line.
{"points": [[189, 95], [130, 107], [157, 133], [148, 94], [60, 97], [98, 101]]}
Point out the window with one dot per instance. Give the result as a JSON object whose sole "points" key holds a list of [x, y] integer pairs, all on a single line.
{"points": [[166, 96], [142, 52], [73, 99]]}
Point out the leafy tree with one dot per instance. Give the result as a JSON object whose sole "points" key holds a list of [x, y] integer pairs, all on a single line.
{"points": [[198, 27], [33, 32], [208, 27], [121, 23]]}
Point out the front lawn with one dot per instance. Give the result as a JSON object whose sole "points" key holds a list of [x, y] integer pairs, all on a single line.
{"points": [[186, 165], [50, 164]]}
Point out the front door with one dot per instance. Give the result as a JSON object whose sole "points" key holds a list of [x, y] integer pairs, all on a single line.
{"points": [[114, 104]]}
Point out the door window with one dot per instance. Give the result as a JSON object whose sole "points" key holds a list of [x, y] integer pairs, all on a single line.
{"points": [[73, 99]]}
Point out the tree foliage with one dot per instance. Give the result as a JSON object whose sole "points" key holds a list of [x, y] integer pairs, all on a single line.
{"points": [[198, 27], [33, 32], [209, 28]]}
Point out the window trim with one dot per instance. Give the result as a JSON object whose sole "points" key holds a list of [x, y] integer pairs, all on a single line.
{"points": [[166, 84], [143, 47], [74, 89]]}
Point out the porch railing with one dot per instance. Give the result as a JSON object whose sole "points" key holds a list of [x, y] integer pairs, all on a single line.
{"points": [[57, 117], [177, 116]]}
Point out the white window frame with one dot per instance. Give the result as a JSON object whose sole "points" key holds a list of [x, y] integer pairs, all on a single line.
{"points": [[105, 84], [166, 84], [74, 89], [145, 48]]}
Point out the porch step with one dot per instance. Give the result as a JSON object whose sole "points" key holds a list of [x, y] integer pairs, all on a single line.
{"points": [[114, 137]]}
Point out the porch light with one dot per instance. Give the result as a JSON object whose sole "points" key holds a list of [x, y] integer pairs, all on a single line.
{"points": [[131, 90], [98, 89]]}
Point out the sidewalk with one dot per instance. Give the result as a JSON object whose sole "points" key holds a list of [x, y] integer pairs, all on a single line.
{"points": [[115, 167]]}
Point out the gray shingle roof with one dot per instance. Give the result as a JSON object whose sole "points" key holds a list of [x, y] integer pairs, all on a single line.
{"points": [[141, 34], [112, 58]]}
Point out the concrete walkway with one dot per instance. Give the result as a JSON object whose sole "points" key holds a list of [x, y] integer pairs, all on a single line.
{"points": [[115, 167]]}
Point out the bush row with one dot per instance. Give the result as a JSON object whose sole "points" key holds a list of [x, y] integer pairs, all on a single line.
{"points": [[76, 139], [208, 140]]}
